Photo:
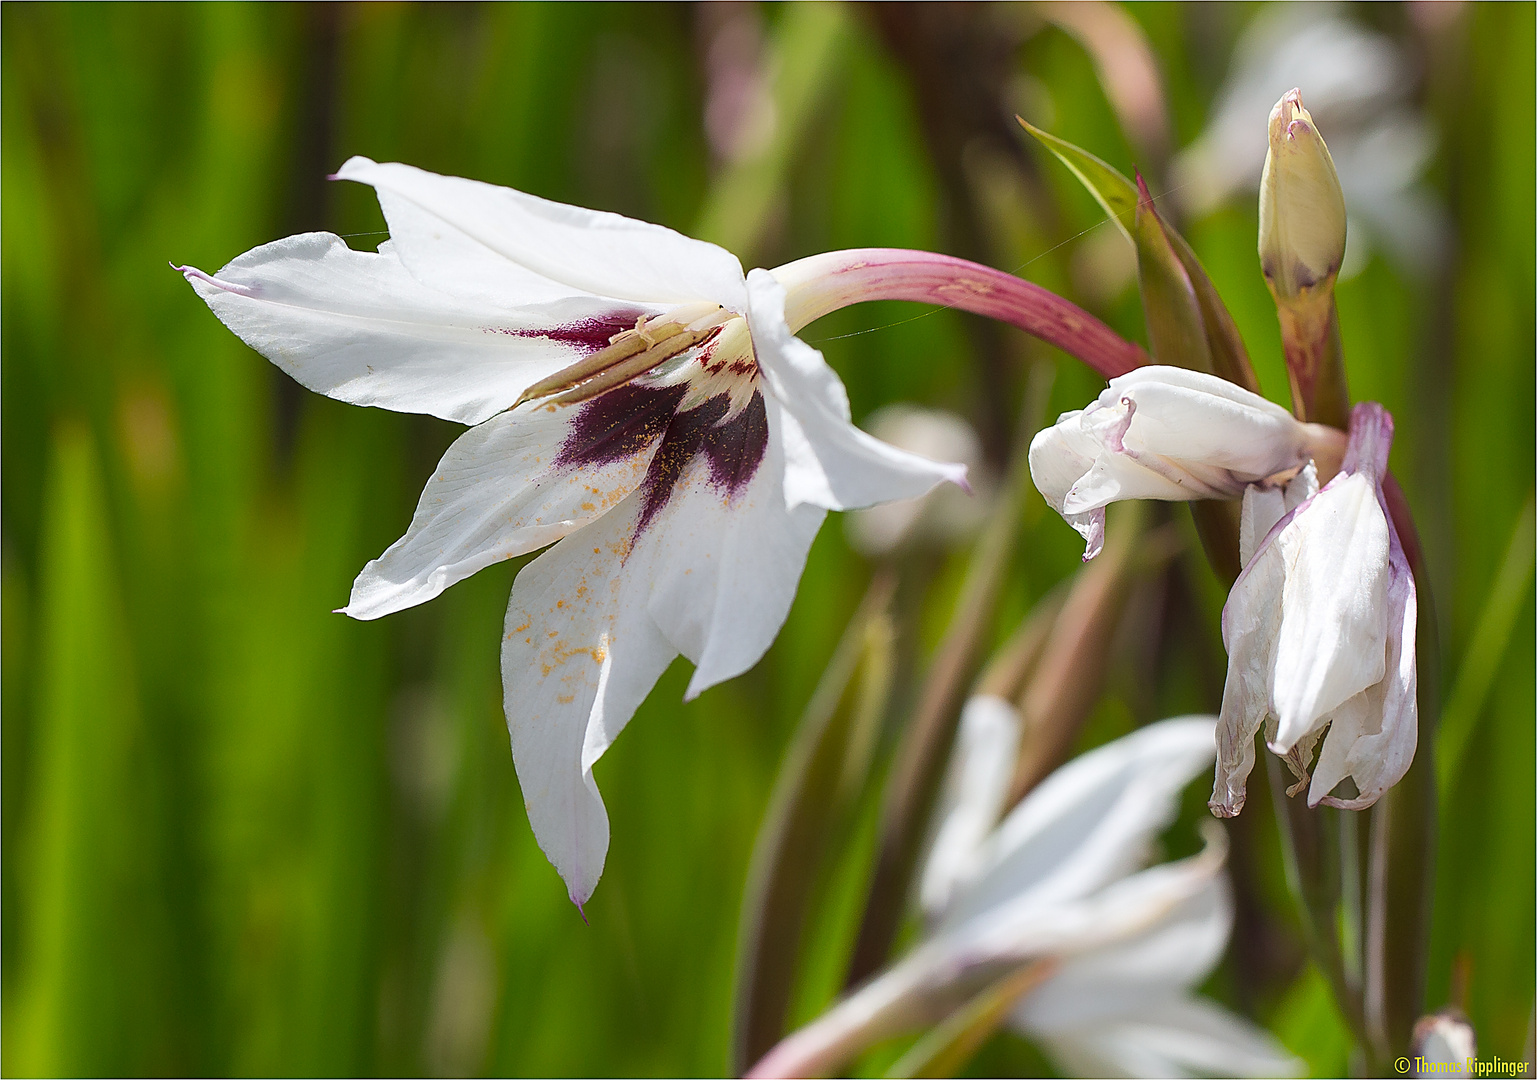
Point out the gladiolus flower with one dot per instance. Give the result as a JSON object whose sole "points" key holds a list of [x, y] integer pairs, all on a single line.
{"points": [[637, 401], [1062, 883], [1319, 630], [1172, 434]]}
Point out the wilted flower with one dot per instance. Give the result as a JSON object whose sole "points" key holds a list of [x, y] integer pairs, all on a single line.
{"points": [[1360, 88], [1320, 632], [946, 514], [1301, 206], [638, 402], [1061, 883], [1168, 433]]}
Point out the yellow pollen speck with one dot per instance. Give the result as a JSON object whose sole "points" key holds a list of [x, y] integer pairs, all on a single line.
{"points": [[565, 699]]}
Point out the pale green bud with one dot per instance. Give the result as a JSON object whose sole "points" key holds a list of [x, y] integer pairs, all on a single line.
{"points": [[1301, 206]]}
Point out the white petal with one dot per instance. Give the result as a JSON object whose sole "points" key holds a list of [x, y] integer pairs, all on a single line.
{"points": [[1091, 821], [1264, 507], [1123, 978], [589, 250], [1175, 1037], [981, 768], [1332, 640], [1026, 925], [1196, 417], [828, 461], [1250, 620], [503, 489], [1059, 456], [579, 654], [724, 565], [355, 326], [1378, 753]]}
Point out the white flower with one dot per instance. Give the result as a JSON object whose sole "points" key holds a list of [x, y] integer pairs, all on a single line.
{"points": [[1320, 631], [1360, 86], [1064, 880], [1167, 433], [638, 402]]}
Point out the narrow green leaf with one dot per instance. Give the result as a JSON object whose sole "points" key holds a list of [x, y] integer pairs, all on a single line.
{"points": [[823, 772], [808, 55], [1175, 329], [1110, 189], [1229, 357], [88, 993], [1486, 652]]}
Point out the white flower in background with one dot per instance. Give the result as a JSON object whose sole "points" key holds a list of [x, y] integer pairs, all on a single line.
{"points": [[946, 515], [1064, 880], [637, 401], [1319, 630], [1168, 433], [1359, 87]]}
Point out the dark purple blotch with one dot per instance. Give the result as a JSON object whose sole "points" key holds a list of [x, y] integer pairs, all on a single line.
{"points": [[588, 335], [735, 450], [618, 424]]}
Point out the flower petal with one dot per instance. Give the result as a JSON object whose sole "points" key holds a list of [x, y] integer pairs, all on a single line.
{"points": [[1123, 978], [511, 485], [724, 561], [579, 654], [1381, 748], [355, 326], [1091, 821], [588, 250], [981, 767], [1175, 1037], [828, 461], [1332, 638], [1250, 620]]}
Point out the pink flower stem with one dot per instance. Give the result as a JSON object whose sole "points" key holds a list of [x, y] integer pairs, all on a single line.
{"points": [[824, 283]]}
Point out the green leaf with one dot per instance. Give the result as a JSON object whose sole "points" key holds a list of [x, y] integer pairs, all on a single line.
{"points": [[1110, 189], [824, 773], [1229, 357], [1175, 328]]}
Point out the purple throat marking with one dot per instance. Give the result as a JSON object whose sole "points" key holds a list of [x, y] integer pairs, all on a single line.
{"points": [[589, 335], [627, 419]]}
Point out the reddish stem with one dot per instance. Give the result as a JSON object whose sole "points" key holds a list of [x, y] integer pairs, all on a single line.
{"points": [[824, 283]]}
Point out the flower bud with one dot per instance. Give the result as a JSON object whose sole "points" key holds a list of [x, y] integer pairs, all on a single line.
{"points": [[1301, 205]]}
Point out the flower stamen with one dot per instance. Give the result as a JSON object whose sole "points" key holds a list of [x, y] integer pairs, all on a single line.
{"points": [[632, 353]]}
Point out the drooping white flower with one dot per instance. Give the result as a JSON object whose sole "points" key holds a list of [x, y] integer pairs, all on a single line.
{"points": [[1063, 880], [1168, 433], [1359, 86], [637, 401], [1319, 630]]}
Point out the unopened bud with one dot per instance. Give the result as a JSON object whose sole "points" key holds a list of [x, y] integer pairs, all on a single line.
{"points": [[1301, 206]]}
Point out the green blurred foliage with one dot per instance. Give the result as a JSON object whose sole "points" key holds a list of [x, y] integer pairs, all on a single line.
{"points": [[244, 835]]}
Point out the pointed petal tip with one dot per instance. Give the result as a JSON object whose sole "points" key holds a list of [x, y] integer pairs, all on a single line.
{"points": [[579, 909], [192, 273]]}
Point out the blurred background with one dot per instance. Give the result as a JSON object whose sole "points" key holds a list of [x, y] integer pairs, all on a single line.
{"points": [[244, 835]]}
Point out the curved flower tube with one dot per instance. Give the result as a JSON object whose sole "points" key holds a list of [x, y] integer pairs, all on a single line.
{"points": [[636, 400], [1320, 633], [1173, 434]]}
